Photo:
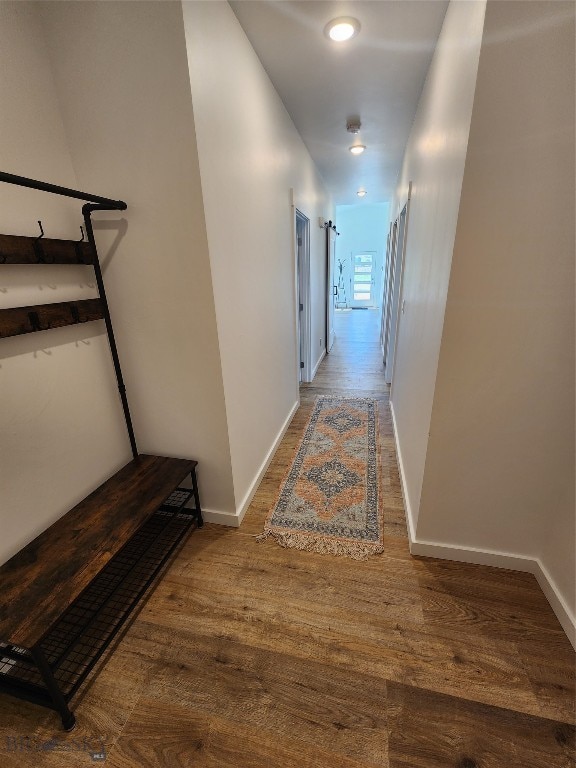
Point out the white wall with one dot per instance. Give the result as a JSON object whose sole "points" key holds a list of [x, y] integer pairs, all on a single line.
{"points": [[117, 120], [60, 419], [122, 80], [363, 228], [434, 162], [500, 469], [251, 156]]}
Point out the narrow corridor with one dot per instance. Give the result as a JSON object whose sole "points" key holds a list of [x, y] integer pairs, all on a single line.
{"points": [[248, 654]]}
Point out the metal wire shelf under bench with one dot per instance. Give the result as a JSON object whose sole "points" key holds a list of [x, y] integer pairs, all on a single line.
{"points": [[67, 594]]}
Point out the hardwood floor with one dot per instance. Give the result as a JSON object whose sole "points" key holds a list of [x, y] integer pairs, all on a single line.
{"points": [[248, 655]]}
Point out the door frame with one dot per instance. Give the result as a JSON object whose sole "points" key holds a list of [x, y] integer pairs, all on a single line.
{"points": [[385, 277], [398, 302], [388, 289], [373, 292], [303, 299]]}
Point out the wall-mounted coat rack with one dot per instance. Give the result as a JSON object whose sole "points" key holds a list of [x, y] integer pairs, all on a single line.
{"points": [[42, 250], [16, 249], [66, 595]]}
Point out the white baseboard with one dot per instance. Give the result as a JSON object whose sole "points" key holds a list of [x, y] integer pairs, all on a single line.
{"points": [[495, 559], [315, 371], [459, 554], [234, 520], [554, 597], [230, 519], [406, 499], [509, 562]]}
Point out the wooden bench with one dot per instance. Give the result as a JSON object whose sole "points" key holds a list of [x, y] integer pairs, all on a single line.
{"points": [[66, 594]]}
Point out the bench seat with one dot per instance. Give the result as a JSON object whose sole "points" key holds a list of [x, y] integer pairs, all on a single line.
{"points": [[42, 580]]}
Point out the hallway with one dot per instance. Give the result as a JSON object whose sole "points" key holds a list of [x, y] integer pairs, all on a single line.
{"points": [[354, 367], [355, 361], [248, 655]]}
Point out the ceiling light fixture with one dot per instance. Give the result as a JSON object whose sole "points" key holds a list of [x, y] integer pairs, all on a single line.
{"points": [[344, 28], [361, 193], [357, 149]]}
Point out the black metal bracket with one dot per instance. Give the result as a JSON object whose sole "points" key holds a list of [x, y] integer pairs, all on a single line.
{"points": [[34, 321], [60, 704], [87, 211], [43, 186], [198, 510], [329, 225], [38, 250]]}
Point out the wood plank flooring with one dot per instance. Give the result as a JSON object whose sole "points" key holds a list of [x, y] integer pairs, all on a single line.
{"points": [[248, 655]]}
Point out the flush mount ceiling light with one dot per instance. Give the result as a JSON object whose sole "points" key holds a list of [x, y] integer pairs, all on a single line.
{"points": [[344, 28], [361, 193], [357, 149]]}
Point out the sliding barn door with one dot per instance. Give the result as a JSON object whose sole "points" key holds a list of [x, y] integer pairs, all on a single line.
{"points": [[331, 287]]}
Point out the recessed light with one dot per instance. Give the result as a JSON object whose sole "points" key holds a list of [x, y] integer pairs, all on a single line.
{"points": [[361, 193], [357, 149], [344, 28]]}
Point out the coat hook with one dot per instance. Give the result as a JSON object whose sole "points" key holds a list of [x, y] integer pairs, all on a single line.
{"points": [[78, 248], [38, 250], [34, 321]]}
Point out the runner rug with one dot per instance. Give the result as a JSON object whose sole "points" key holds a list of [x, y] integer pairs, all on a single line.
{"points": [[330, 500]]}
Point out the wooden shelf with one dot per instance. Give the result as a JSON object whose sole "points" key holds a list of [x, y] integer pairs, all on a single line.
{"points": [[42, 317], [15, 249], [43, 579]]}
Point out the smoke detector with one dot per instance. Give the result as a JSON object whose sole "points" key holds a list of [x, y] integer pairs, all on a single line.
{"points": [[353, 125]]}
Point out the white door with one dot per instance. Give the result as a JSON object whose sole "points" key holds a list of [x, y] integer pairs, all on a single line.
{"points": [[363, 279], [303, 294]]}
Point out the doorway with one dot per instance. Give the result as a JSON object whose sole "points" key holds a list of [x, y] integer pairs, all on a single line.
{"points": [[363, 291], [385, 280], [303, 295], [331, 287], [388, 289], [392, 306]]}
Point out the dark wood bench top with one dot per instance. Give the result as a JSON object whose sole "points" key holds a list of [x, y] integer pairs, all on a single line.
{"points": [[41, 580]]}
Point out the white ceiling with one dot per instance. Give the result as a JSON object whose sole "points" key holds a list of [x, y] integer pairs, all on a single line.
{"points": [[377, 76]]}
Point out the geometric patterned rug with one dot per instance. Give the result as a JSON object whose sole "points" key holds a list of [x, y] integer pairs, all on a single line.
{"points": [[330, 500]]}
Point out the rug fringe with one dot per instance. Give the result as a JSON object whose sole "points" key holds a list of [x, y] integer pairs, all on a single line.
{"points": [[309, 543]]}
